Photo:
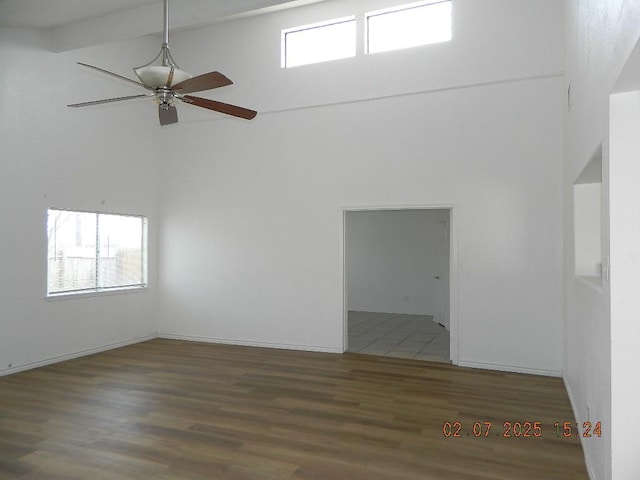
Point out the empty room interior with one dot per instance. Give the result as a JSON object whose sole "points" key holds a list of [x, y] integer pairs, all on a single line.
{"points": [[363, 239], [397, 265]]}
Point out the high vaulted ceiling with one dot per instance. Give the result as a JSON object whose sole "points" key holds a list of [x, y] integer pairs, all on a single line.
{"points": [[79, 23], [55, 13]]}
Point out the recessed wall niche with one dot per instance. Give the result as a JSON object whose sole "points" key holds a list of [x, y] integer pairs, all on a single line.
{"points": [[587, 220]]}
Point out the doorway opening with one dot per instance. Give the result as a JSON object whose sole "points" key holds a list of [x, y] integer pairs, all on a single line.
{"points": [[398, 282]]}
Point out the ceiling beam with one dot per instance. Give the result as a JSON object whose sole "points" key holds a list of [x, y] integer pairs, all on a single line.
{"points": [[148, 20]]}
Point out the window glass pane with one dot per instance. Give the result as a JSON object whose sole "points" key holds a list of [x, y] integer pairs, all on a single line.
{"points": [[410, 26], [72, 251], [319, 43], [88, 252], [121, 255]]}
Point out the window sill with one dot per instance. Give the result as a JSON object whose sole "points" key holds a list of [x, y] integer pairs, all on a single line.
{"points": [[594, 282], [94, 293]]}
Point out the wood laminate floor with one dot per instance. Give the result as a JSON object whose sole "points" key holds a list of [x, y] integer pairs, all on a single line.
{"points": [[178, 411]]}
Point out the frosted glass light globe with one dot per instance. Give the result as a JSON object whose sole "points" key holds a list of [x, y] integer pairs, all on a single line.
{"points": [[156, 76]]}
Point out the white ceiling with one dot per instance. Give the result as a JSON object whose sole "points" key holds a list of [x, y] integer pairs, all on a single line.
{"points": [[79, 23], [55, 13]]}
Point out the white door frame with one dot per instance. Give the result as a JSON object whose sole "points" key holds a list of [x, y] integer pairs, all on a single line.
{"points": [[453, 267]]}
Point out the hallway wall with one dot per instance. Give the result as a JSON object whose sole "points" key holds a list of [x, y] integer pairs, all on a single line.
{"points": [[601, 35]]}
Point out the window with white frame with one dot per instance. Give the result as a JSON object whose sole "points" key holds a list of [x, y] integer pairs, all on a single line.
{"points": [[319, 42], [92, 252], [409, 25]]}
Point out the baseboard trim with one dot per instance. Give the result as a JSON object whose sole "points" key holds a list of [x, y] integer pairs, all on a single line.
{"points": [[509, 368], [281, 346], [71, 356], [247, 343], [590, 471]]}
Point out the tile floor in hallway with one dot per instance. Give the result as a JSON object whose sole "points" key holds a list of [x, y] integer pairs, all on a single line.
{"points": [[398, 335]]}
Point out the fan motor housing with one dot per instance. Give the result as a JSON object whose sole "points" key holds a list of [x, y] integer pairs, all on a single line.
{"points": [[165, 97]]}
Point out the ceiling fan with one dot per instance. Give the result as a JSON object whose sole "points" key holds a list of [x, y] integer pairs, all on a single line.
{"points": [[166, 83]]}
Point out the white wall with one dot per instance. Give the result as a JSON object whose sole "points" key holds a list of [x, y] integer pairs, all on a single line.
{"points": [[600, 36], [55, 157], [393, 258], [624, 178], [252, 212]]}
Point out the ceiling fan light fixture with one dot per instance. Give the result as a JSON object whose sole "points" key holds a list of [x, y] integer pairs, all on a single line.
{"points": [[167, 82], [157, 76], [162, 71]]}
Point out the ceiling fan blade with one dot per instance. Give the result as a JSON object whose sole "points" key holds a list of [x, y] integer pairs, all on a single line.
{"points": [[168, 115], [107, 100], [121, 77], [220, 107], [206, 81]]}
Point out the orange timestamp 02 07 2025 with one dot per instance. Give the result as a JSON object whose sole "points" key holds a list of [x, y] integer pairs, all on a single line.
{"points": [[520, 429]]}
